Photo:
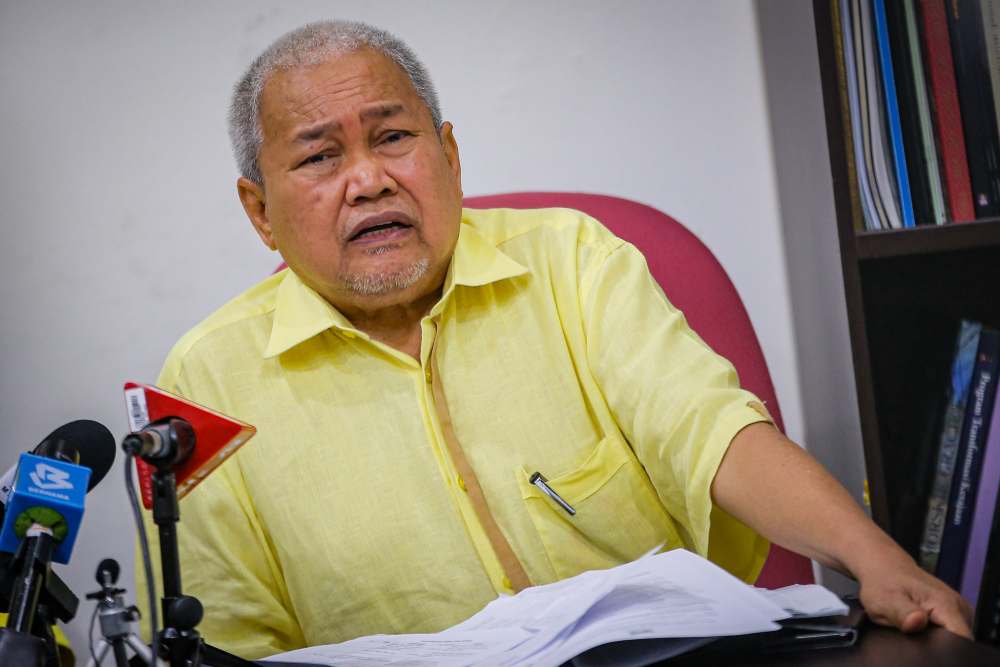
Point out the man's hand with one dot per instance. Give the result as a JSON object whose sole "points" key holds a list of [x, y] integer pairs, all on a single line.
{"points": [[899, 594], [775, 487]]}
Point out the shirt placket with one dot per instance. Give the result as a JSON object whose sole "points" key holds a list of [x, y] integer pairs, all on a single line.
{"points": [[506, 572]]}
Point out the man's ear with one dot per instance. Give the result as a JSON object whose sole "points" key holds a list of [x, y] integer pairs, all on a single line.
{"points": [[255, 204], [450, 146]]}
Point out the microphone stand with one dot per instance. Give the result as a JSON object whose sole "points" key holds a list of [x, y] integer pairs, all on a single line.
{"points": [[37, 598], [116, 621], [180, 642]]}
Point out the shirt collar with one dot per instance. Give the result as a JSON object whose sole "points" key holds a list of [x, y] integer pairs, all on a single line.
{"points": [[300, 313]]}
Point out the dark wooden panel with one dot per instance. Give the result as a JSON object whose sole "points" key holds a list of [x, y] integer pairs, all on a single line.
{"points": [[928, 239], [935, 647]]}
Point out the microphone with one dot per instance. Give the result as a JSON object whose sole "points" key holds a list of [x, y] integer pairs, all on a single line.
{"points": [[82, 442], [47, 493], [165, 428], [107, 572], [176, 444], [44, 508], [165, 442]]}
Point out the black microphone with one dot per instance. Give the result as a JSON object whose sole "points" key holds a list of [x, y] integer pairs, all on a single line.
{"points": [[164, 443], [107, 572], [82, 442]]}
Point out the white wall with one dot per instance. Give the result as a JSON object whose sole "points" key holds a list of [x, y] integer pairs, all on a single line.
{"points": [[122, 225], [832, 425]]}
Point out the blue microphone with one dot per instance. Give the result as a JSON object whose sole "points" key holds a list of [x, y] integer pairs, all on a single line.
{"points": [[42, 509], [47, 496]]}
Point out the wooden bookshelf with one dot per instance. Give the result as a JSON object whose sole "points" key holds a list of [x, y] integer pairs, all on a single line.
{"points": [[906, 291]]}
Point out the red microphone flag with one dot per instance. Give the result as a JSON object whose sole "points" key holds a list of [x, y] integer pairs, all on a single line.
{"points": [[216, 435]]}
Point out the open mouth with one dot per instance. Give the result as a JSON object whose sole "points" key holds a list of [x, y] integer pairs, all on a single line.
{"points": [[384, 229]]}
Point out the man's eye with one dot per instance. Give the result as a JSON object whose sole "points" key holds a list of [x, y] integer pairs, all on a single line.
{"points": [[315, 159], [395, 136]]}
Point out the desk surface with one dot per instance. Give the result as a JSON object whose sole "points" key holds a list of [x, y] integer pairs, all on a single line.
{"points": [[877, 646]]}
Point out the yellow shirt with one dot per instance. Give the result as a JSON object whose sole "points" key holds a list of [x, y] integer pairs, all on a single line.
{"points": [[348, 514]]}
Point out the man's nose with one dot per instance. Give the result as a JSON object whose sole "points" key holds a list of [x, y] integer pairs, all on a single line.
{"points": [[367, 179]]}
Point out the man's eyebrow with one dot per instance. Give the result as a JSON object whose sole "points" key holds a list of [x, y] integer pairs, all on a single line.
{"points": [[317, 131], [381, 111], [320, 130]]}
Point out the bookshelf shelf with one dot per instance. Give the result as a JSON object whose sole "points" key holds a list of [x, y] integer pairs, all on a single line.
{"points": [[927, 239]]}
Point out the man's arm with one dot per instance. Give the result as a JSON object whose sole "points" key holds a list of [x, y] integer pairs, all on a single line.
{"points": [[779, 490]]}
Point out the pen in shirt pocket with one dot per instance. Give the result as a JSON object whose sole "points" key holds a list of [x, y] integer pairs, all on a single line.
{"points": [[538, 479]]}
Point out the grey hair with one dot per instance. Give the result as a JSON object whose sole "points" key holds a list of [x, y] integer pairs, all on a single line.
{"points": [[310, 45]]}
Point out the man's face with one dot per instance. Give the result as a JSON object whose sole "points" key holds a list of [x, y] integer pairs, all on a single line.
{"points": [[362, 195]]}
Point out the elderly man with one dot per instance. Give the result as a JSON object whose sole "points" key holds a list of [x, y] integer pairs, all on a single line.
{"points": [[417, 364]]}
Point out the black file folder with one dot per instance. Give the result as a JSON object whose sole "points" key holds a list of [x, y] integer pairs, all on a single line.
{"points": [[796, 634]]}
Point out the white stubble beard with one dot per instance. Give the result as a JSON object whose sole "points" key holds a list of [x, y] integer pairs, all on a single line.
{"points": [[379, 283]]}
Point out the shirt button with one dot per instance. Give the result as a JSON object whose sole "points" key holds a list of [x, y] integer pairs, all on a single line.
{"points": [[461, 482], [506, 584], [427, 375]]}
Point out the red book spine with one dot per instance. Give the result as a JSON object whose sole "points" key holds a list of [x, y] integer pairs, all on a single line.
{"points": [[941, 70]]}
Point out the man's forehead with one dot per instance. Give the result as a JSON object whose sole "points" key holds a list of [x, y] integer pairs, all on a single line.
{"points": [[362, 83]]}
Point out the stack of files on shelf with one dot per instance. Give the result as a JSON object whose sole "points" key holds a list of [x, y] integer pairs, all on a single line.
{"points": [[915, 112], [872, 152], [942, 89], [970, 31], [962, 365], [920, 83], [969, 461], [676, 597], [961, 540]]}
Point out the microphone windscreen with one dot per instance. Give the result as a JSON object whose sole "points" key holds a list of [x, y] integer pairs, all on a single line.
{"points": [[92, 440], [109, 569]]}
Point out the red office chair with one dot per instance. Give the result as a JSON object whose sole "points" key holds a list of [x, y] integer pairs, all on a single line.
{"points": [[696, 283]]}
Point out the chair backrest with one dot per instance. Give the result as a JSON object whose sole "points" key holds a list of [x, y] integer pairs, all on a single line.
{"points": [[695, 282]]}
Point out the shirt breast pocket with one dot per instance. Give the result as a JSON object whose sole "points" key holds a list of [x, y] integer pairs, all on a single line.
{"points": [[618, 514]]}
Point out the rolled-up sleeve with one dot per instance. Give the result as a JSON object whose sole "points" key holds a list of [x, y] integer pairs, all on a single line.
{"points": [[677, 402]]}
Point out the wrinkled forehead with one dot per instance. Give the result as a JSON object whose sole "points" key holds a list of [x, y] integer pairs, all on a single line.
{"points": [[342, 82]]}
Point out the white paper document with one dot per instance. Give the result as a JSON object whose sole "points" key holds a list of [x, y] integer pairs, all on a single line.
{"points": [[675, 595], [806, 601]]}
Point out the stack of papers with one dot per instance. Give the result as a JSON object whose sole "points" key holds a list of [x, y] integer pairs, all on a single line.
{"points": [[675, 595], [806, 601]]}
